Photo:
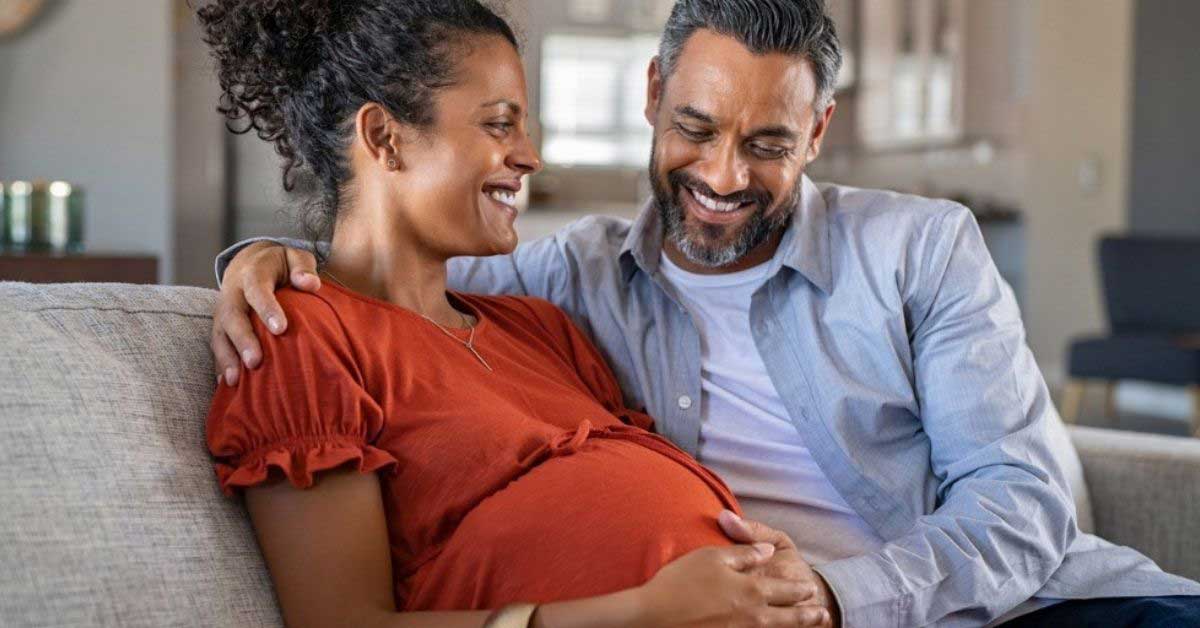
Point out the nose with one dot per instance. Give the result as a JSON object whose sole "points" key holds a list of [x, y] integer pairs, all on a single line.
{"points": [[524, 157], [724, 170]]}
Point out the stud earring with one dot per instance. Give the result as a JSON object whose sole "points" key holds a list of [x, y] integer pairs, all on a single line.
{"points": [[392, 164]]}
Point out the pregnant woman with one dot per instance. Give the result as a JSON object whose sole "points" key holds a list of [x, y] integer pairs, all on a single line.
{"points": [[415, 457]]}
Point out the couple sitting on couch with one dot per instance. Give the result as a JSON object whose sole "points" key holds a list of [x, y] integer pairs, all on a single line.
{"points": [[848, 362]]}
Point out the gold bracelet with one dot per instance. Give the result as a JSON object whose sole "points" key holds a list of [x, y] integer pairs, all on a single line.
{"points": [[512, 616]]}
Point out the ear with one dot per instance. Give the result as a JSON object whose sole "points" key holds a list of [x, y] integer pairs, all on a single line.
{"points": [[654, 87], [380, 136], [819, 129]]}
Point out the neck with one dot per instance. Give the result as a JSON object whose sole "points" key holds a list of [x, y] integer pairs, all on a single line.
{"points": [[378, 262]]}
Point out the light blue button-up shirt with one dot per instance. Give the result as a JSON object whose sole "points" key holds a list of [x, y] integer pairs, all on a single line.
{"points": [[900, 356]]}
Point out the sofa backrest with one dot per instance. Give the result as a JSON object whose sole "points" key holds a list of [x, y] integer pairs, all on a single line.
{"points": [[110, 513]]}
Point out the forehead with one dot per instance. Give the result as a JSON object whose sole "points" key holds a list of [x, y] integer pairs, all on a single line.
{"points": [[718, 75], [491, 68]]}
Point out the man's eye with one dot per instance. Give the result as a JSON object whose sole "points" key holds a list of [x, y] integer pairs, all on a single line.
{"points": [[500, 127], [769, 152], [692, 133]]}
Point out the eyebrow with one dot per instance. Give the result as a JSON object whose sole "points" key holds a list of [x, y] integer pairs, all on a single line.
{"points": [[692, 112], [778, 131], [516, 109]]}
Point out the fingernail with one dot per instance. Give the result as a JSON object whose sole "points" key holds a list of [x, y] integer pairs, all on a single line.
{"points": [[247, 357], [764, 549], [231, 376], [274, 325], [220, 378]]}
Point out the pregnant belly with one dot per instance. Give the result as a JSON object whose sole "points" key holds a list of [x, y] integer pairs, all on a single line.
{"points": [[602, 518]]}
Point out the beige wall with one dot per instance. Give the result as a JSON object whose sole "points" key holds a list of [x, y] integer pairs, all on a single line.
{"points": [[1080, 119], [199, 155]]}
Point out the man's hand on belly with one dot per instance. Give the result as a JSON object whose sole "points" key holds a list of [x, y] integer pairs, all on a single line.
{"points": [[786, 563]]}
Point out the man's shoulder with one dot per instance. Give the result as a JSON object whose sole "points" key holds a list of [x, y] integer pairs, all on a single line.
{"points": [[595, 232], [868, 213]]}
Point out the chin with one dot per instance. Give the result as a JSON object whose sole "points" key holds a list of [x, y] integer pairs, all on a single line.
{"points": [[492, 245], [505, 249]]}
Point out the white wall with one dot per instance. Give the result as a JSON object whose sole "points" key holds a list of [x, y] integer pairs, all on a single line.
{"points": [[85, 96], [1080, 119]]}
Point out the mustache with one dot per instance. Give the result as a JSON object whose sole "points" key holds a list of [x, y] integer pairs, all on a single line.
{"points": [[679, 178]]}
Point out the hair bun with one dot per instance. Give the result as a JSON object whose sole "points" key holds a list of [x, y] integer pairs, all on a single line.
{"points": [[277, 40], [265, 50]]}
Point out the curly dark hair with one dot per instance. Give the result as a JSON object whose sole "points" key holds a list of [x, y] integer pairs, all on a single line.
{"points": [[296, 71]]}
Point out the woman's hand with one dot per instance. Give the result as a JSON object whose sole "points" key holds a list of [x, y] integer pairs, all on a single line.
{"points": [[786, 563], [249, 283], [718, 586]]}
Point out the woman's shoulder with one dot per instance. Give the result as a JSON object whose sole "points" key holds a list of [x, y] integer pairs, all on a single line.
{"points": [[319, 306], [322, 317]]}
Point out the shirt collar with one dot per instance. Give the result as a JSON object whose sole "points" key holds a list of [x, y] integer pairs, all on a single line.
{"points": [[643, 246], [804, 248]]}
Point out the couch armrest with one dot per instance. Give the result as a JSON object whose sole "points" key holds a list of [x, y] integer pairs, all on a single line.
{"points": [[1145, 493]]}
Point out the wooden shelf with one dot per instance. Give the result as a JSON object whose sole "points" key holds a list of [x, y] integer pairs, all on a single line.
{"points": [[39, 267]]}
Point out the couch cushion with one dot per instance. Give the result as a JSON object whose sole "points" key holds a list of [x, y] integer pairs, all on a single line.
{"points": [[111, 515]]}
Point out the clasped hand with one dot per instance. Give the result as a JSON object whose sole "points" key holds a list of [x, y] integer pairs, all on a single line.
{"points": [[762, 581]]}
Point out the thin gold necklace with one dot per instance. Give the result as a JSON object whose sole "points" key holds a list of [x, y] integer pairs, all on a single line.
{"points": [[469, 343]]}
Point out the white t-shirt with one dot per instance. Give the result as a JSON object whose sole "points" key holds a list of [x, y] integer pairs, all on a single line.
{"points": [[746, 436]]}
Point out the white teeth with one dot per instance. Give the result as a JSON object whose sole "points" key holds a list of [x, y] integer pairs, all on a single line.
{"points": [[507, 198], [712, 204]]}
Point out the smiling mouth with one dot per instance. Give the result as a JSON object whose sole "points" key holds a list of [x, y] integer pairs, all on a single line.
{"points": [[709, 209], [712, 204], [505, 197]]}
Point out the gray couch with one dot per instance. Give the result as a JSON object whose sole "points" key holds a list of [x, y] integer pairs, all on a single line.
{"points": [[110, 513]]}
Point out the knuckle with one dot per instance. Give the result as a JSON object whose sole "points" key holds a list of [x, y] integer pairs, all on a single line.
{"points": [[254, 293], [242, 342], [265, 247], [753, 592], [222, 314], [759, 619]]}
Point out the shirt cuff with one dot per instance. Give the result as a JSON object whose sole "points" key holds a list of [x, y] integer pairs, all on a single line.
{"points": [[226, 256], [867, 595]]}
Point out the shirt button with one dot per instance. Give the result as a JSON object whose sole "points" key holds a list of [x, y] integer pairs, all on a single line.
{"points": [[685, 402]]}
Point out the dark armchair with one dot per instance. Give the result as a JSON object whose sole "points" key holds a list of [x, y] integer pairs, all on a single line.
{"points": [[1152, 299]]}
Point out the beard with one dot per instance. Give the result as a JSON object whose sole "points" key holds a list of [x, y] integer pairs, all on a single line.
{"points": [[716, 246]]}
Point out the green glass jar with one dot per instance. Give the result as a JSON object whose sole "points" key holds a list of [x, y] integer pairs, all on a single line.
{"points": [[3, 216], [39, 217], [63, 217], [18, 219]]}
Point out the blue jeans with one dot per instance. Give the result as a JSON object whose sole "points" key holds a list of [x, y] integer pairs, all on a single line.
{"points": [[1132, 612]]}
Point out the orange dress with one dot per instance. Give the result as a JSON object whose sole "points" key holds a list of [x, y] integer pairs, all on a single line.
{"points": [[531, 482]]}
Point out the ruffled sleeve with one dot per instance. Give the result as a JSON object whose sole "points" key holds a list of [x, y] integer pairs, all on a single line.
{"points": [[304, 410]]}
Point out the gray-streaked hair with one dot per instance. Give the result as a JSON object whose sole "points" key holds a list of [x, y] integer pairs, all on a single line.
{"points": [[795, 27]]}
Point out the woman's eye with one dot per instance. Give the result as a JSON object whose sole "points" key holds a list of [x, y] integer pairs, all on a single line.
{"points": [[502, 127]]}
